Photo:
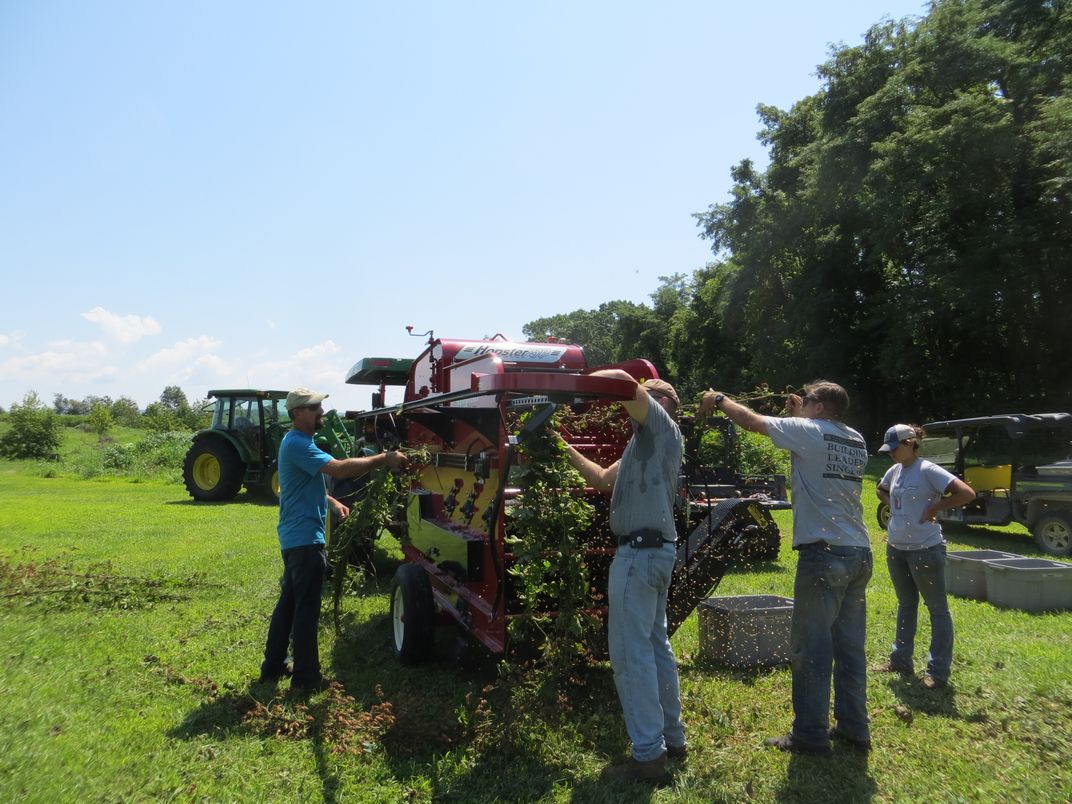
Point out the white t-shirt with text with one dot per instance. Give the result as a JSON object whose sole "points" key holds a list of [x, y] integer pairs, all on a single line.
{"points": [[828, 470]]}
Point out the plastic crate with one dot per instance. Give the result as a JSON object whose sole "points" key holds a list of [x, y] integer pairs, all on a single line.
{"points": [[965, 571], [1030, 584], [745, 631]]}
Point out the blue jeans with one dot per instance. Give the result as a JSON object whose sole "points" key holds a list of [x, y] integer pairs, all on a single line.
{"points": [[297, 615], [918, 573], [829, 629], [645, 672]]}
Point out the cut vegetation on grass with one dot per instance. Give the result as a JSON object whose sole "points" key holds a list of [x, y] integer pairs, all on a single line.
{"points": [[133, 621]]}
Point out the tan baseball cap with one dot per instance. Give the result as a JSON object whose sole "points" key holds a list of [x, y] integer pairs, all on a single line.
{"points": [[300, 397], [662, 387]]}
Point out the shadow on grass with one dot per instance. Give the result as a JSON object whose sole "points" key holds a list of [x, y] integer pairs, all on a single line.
{"points": [[984, 538], [811, 779], [917, 698], [268, 713], [241, 499], [700, 666]]}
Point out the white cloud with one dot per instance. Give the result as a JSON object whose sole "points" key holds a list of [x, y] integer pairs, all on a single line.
{"points": [[124, 328], [63, 363], [10, 339], [316, 366], [190, 359]]}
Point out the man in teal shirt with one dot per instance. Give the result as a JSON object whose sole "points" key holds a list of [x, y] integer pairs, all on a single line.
{"points": [[303, 506]]}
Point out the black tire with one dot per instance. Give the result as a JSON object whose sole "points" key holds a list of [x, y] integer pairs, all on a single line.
{"points": [[1053, 533], [212, 470], [412, 614], [269, 485], [882, 514]]}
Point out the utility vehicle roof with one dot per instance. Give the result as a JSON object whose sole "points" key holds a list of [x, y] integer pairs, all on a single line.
{"points": [[1012, 422]]}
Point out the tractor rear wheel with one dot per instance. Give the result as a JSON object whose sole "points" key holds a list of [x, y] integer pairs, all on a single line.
{"points": [[412, 614], [1053, 533], [212, 470]]}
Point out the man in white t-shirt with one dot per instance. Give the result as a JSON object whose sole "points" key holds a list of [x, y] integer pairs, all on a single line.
{"points": [[828, 629]]}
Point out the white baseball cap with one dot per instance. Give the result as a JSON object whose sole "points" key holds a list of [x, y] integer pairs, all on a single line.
{"points": [[895, 435], [300, 397]]}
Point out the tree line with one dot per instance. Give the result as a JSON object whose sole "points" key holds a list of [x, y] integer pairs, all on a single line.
{"points": [[33, 428], [910, 238], [172, 411]]}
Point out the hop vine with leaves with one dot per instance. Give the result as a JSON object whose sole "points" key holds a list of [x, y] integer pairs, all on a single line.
{"points": [[549, 568], [382, 500]]}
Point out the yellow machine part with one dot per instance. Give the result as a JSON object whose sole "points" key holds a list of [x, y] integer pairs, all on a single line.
{"points": [[988, 478]]}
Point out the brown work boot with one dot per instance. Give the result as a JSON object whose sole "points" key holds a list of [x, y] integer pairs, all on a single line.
{"points": [[677, 751], [652, 772]]}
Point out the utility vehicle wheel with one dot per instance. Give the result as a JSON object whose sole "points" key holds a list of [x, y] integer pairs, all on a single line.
{"points": [[412, 613], [1053, 533], [883, 515], [212, 470]]}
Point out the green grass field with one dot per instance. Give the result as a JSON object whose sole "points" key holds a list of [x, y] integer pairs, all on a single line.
{"points": [[132, 680]]}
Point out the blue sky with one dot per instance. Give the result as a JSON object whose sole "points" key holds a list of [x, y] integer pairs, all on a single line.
{"points": [[241, 194]]}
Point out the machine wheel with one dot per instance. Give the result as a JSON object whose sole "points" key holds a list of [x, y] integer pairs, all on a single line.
{"points": [[412, 614], [883, 515], [1053, 533], [212, 470], [269, 485]]}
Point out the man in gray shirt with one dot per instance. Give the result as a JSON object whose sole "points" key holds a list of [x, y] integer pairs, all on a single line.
{"points": [[834, 566], [644, 486]]}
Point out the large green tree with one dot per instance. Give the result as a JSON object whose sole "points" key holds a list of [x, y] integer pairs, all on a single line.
{"points": [[911, 236]]}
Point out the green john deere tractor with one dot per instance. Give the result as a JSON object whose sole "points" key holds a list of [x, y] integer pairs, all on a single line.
{"points": [[242, 444]]}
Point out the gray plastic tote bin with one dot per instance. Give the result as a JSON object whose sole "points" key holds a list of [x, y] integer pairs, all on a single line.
{"points": [[1030, 584], [745, 631], [965, 571]]}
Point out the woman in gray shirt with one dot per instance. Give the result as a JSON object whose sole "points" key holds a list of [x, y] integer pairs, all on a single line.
{"points": [[914, 489]]}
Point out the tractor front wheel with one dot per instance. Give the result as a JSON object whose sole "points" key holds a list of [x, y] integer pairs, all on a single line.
{"points": [[212, 470], [412, 614], [1053, 533], [269, 487]]}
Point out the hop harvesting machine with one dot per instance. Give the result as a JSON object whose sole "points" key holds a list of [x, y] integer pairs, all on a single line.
{"points": [[462, 402]]}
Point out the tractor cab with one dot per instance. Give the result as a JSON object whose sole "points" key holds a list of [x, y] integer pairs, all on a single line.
{"points": [[254, 419], [1020, 467]]}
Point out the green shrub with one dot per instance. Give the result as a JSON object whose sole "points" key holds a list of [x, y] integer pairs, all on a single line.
{"points": [[749, 453], [33, 431], [164, 450], [159, 453], [118, 457], [101, 420]]}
